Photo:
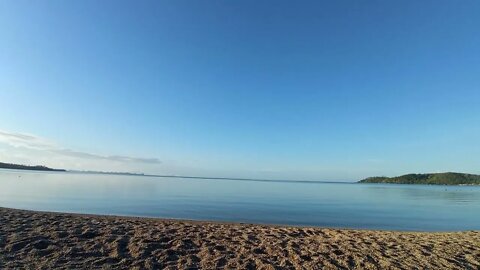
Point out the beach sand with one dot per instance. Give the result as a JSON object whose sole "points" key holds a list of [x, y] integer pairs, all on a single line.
{"points": [[41, 240]]}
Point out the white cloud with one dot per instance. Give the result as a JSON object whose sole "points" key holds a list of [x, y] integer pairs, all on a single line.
{"points": [[21, 146], [25, 140]]}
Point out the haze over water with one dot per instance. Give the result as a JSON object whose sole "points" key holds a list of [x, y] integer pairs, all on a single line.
{"points": [[343, 205]]}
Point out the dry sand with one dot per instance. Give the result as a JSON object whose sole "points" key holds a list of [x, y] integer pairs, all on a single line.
{"points": [[39, 240]]}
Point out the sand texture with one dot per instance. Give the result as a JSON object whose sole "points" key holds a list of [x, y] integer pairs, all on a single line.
{"points": [[39, 240]]}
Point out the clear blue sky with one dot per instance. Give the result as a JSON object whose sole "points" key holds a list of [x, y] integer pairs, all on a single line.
{"points": [[274, 89]]}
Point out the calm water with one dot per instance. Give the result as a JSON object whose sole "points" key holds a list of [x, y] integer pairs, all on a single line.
{"points": [[371, 206]]}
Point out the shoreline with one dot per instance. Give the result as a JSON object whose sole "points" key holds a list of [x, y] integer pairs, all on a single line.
{"points": [[34, 239], [220, 222], [190, 177]]}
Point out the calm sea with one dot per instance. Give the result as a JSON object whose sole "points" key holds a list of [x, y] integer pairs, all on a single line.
{"points": [[342, 205]]}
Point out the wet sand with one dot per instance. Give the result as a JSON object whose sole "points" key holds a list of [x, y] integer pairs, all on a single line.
{"points": [[41, 240]]}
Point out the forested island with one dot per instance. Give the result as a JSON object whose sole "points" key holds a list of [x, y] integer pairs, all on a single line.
{"points": [[448, 178], [26, 167]]}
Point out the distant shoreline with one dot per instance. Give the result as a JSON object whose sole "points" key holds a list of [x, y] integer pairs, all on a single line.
{"points": [[28, 167], [33, 168], [448, 178]]}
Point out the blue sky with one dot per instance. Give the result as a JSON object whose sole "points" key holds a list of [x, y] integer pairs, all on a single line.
{"points": [[335, 90]]}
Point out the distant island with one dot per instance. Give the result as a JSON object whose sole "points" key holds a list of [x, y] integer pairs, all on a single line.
{"points": [[448, 178], [26, 167]]}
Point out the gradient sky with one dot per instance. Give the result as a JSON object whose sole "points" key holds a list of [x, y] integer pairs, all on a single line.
{"points": [[326, 90]]}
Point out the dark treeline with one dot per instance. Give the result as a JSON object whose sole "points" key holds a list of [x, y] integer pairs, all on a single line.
{"points": [[448, 178], [26, 167]]}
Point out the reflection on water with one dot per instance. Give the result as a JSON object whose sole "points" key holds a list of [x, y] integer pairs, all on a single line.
{"points": [[452, 194], [378, 206]]}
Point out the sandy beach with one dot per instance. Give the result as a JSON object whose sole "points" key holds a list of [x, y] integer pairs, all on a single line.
{"points": [[41, 240]]}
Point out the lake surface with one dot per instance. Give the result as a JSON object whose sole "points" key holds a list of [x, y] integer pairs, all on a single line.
{"points": [[342, 205]]}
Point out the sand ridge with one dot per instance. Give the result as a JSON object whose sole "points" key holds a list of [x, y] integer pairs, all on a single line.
{"points": [[42, 240]]}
